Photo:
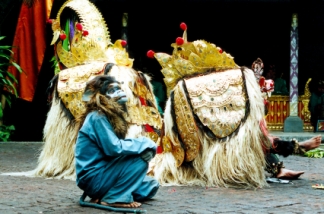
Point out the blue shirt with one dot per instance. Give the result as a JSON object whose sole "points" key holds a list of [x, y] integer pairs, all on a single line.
{"points": [[98, 151]]}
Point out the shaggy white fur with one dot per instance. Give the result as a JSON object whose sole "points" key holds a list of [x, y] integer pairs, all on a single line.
{"points": [[56, 158], [237, 162]]}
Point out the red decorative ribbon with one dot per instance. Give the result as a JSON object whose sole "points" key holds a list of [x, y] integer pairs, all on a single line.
{"points": [[149, 128]]}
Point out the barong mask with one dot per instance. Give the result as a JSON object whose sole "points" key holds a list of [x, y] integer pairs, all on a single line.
{"points": [[266, 85], [102, 94], [115, 92], [112, 91], [257, 67]]}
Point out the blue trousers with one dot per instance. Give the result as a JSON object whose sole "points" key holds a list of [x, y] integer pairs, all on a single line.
{"points": [[131, 182]]}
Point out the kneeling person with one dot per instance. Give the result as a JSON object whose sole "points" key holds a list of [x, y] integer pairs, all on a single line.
{"points": [[111, 169]]}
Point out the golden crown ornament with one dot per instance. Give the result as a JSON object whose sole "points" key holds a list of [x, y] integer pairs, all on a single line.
{"points": [[83, 49], [90, 40], [191, 58]]}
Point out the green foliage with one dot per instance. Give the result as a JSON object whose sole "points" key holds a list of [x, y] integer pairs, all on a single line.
{"points": [[55, 65], [315, 153], [7, 87], [5, 132], [7, 80]]}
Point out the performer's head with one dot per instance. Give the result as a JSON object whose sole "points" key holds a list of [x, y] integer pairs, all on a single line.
{"points": [[257, 67], [104, 87], [104, 95]]}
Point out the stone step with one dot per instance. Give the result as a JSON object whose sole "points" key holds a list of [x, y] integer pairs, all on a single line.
{"points": [[300, 136]]}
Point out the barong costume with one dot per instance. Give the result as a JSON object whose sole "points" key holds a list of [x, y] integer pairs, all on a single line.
{"points": [[212, 132], [215, 133], [84, 50]]}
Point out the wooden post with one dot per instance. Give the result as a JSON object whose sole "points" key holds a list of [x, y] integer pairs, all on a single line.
{"points": [[293, 123]]}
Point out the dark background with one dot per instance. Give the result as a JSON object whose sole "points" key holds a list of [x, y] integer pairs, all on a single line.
{"points": [[246, 29]]}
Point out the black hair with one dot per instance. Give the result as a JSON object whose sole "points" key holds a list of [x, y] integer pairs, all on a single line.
{"points": [[100, 84]]}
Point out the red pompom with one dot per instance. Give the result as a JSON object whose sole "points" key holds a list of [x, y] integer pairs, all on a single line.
{"points": [[49, 21], [183, 26], [220, 51], [79, 26], [85, 33], [123, 43], [62, 36], [179, 41], [150, 54]]}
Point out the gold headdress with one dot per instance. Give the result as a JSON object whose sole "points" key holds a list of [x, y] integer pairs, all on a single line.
{"points": [[84, 48], [189, 58], [89, 40]]}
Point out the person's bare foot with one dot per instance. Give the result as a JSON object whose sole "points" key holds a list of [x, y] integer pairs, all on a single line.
{"points": [[312, 143], [124, 205], [289, 174], [94, 200]]}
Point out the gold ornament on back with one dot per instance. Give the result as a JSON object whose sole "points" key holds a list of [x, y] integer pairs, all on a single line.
{"points": [[219, 100], [192, 58], [187, 127]]}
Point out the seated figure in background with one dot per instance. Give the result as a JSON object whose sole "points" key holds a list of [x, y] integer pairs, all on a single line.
{"points": [[279, 147], [316, 103], [280, 86]]}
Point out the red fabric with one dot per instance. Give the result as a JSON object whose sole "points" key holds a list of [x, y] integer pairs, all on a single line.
{"points": [[264, 130], [159, 150], [29, 46], [143, 101], [263, 126], [148, 128]]}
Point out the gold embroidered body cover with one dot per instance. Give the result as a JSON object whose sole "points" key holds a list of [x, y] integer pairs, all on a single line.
{"points": [[219, 100], [175, 148], [186, 124]]}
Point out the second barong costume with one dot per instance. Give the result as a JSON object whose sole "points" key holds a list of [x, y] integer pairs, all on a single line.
{"points": [[212, 132]]}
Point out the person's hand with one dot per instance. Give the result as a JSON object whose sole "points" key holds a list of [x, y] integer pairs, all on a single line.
{"points": [[147, 155]]}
